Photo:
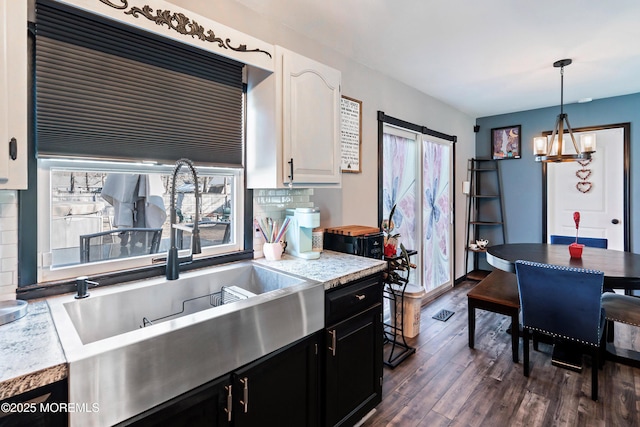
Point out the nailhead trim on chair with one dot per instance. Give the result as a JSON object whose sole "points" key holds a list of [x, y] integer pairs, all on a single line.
{"points": [[563, 268], [560, 267], [562, 336], [613, 319]]}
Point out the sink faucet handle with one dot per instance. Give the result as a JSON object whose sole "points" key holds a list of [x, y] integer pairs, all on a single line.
{"points": [[82, 285], [196, 245]]}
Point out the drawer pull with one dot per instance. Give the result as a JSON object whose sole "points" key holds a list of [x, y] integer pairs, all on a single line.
{"points": [[245, 392], [291, 172], [333, 342], [361, 297], [229, 402]]}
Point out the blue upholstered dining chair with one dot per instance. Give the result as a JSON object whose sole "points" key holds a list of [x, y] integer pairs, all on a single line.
{"points": [[594, 242], [564, 303]]}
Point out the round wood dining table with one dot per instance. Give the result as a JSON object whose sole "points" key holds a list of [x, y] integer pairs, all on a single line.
{"points": [[621, 269]]}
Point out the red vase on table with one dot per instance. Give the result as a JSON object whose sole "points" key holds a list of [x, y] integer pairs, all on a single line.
{"points": [[575, 249]]}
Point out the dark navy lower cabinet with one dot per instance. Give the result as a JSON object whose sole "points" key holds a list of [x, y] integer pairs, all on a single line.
{"points": [[279, 389], [353, 351]]}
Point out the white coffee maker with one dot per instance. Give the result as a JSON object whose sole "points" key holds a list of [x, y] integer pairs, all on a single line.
{"points": [[300, 232]]}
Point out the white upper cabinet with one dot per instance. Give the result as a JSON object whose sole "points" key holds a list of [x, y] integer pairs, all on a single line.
{"points": [[311, 121], [293, 124], [13, 95]]}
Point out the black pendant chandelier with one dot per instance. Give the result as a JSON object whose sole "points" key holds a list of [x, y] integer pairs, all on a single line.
{"points": [[552, 150]]}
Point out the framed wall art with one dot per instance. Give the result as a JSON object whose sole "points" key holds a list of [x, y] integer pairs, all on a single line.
{"points": [[351, 134], [505, 143]]}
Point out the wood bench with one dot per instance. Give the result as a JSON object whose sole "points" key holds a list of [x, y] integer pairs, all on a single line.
{"points": [[498, 292]]}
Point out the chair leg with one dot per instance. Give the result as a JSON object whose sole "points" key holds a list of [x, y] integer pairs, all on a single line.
{"points": [[525, 351], [472, 325], [536, 340], [602, 349], [609, 330], [594, 373], [515, 337]]}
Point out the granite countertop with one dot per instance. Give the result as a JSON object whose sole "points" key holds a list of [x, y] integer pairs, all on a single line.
{"points": [[31, 355], [332, 268]]}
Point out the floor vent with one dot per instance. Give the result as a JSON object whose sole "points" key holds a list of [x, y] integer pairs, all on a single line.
{"points": [[443, 315]]}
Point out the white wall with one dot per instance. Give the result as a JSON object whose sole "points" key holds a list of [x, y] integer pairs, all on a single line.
{"points": [[357, 201]]}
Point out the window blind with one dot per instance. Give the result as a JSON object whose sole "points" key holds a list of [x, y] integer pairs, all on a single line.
{"points": [[107, 91]]}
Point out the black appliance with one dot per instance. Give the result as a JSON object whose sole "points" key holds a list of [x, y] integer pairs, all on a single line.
{"points": [[356, 240]]}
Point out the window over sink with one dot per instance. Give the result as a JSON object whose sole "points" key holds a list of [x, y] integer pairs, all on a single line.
{"points": [[113, 117], [97, 217]]}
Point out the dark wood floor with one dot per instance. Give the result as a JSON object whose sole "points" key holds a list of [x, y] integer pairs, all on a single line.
{"points": [[445, 383]]}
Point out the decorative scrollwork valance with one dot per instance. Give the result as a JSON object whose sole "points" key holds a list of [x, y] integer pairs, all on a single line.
{"points": [[181, 23]]}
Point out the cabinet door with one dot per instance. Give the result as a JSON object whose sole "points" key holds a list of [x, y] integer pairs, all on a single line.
{"points": [[13, 94], [280, 389], [353, 367], [204, 406], [311, 121], [28, 407]]}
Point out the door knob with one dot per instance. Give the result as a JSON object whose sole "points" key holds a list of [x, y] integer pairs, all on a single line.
{"points": [[615, 221]]}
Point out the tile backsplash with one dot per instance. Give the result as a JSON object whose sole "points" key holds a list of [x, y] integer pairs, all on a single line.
{"points": [[8, 244], [273, 203]]}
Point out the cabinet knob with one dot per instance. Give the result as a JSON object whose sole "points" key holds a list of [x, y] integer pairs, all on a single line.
{"points": [[361, 297], [615, 221]]}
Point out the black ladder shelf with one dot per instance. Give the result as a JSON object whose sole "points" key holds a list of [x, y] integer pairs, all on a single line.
{"points": [[395, 285], [485, 211]]}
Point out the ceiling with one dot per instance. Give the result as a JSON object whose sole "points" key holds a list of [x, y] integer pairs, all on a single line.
{"points": [[481, 57]]}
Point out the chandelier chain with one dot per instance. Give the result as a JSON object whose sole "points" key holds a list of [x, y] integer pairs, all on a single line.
{"points": [[562, 90]]}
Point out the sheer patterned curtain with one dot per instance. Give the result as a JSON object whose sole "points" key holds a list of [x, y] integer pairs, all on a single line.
{"points": [[399, 188], [436, 214], [416, 178]]}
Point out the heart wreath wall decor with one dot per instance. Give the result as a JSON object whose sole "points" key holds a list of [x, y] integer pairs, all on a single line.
{"points": [[584, 186], [583, 174]]}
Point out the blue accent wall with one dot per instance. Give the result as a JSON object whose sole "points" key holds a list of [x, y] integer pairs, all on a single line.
{"points": [[522, 178]]}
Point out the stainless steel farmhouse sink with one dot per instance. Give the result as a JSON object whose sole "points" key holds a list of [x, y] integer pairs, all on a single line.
{"points": [[133, 346]]}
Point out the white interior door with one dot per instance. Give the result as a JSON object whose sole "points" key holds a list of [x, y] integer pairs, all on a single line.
{"points": [[594, 188]]}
